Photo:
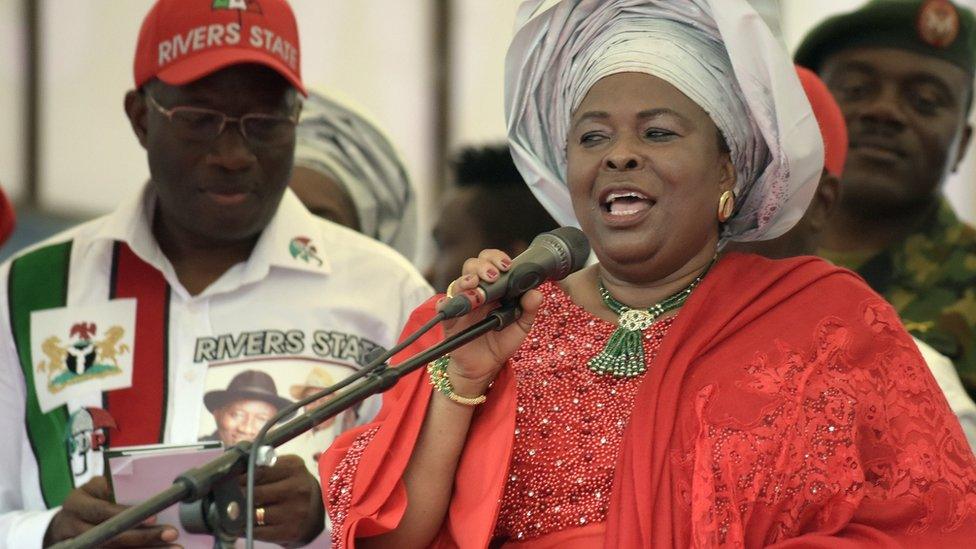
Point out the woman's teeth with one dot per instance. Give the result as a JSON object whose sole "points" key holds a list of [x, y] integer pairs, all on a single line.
{"points": [[626, 203]]}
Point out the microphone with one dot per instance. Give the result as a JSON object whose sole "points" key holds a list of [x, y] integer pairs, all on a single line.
{"points": [[551, 256]]}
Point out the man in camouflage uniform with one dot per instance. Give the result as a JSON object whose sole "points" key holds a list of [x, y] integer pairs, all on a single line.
{"points": [[902, 73]]}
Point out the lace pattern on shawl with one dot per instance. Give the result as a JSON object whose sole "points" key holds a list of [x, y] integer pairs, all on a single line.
{"points": [[831, 437]]}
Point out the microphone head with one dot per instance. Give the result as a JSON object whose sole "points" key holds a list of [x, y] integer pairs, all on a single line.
{"points": [[579, 246], [571, 247], [551, 256]]}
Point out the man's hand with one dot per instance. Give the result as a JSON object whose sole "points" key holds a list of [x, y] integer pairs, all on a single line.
{"points": [[90, 505], [292, 503]]}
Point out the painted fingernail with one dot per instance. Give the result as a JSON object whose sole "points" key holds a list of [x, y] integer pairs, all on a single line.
{"points": [[492, 273], [467, 278], [169, 535], [473, 296], [506, 263]]}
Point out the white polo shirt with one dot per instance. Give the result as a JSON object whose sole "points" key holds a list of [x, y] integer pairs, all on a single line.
{"points": [[302, 312]]}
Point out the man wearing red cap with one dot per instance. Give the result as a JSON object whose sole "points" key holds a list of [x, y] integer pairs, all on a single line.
{"points": [[213, 270]]}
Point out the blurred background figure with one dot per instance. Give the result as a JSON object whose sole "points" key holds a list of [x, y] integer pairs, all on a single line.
{"points": [[902, 73], [347, 171], [805, 238], [489, 206]]}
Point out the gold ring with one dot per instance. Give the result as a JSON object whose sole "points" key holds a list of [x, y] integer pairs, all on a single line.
{"points": [[450, 289], [259, 516]]}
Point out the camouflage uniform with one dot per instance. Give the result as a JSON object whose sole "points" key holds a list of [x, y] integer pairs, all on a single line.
{"points": [[930, 278]]}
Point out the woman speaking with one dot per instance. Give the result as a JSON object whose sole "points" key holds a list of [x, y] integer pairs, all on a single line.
{"points": [[663, 398]]}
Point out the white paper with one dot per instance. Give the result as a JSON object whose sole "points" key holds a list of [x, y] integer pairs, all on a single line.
{"points": [[140, 476]]}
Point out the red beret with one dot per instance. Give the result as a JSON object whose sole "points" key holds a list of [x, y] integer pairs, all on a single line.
{"points": [[829, 118]]}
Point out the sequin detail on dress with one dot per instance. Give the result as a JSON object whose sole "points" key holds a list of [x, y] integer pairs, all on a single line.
{"points": [[569, 421], [339, 495]]}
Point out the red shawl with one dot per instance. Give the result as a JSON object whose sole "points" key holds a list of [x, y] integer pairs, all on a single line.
{"points": [[785, 407]]}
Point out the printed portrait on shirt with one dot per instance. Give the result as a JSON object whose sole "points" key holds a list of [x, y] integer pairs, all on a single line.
{"points": [[240, 398], [249, 401]]}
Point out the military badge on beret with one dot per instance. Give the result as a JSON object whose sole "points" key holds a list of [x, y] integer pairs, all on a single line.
{"points": [[938, 23]]}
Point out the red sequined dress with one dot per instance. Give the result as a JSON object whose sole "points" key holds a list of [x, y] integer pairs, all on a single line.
{"points": [[568, 424]]}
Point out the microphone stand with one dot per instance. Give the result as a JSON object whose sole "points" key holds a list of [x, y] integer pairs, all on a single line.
{"points": [[222, 513]]}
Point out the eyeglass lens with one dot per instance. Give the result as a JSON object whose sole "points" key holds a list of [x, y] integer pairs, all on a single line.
{"points": [[204, 125]]}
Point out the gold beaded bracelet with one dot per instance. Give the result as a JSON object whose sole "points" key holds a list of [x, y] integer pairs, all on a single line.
{"points": [[437, 370]]}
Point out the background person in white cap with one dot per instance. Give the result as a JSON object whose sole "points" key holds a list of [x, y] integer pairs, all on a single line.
{"points": [[212, 269], [660, 398]]}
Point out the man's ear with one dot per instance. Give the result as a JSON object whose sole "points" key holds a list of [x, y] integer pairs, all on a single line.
{"points": [[138, 114], [824, 201], [967, 133]]}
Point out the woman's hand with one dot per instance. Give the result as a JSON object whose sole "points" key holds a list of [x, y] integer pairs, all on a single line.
{"points": [[476, 364]]}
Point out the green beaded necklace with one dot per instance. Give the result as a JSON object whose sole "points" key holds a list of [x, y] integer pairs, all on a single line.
{"points": [[623, 355]]}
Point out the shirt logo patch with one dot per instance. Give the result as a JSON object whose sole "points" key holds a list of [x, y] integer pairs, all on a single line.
{"points": [[80, 350], [84, 358], [302, 248], [938, 23], [242, 5]]}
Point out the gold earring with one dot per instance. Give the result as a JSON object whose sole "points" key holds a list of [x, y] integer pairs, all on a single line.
{"points": [[726, 203]]}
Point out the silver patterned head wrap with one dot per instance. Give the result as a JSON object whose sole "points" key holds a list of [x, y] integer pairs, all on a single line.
{"points": [[719, 53], [346, 146]]}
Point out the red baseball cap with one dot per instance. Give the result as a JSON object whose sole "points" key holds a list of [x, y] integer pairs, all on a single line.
{"points": [[182, 41], [829, 117]]}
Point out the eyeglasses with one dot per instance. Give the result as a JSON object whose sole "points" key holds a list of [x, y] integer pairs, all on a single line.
{"points": [[203, 125]]}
